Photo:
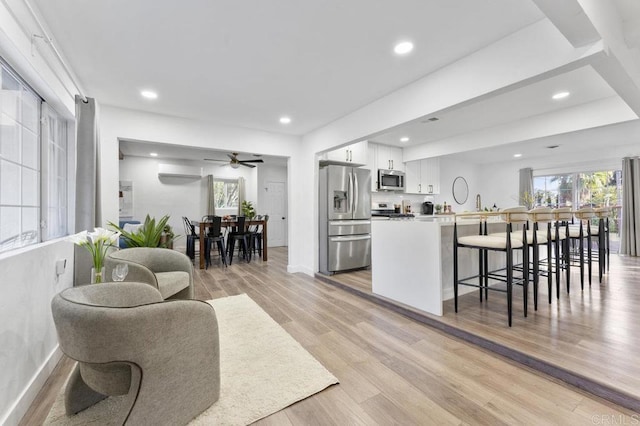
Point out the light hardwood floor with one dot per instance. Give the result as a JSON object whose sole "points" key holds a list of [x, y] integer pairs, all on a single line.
{"points": [[592, 333], [392, 370]]}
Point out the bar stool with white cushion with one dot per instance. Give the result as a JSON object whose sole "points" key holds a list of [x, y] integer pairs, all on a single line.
{"points": [[542, 236], [485, 243], [602, 232], [577, 234], [562, 216], [520, 215]]}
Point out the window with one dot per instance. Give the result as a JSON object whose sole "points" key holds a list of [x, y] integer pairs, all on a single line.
{"points": [[19, 163], [32, 191], [54, 136], [225, 193], [601, 188]]}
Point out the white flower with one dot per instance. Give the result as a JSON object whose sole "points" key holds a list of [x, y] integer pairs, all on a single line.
{"points": [[81, 238], [97, 243]]}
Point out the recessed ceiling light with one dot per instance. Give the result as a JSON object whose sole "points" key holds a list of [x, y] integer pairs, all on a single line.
{"points": [[517, 155], [404, 139], [560, 95], [285, 120], [153, 154], [149, 94], [403, 48]]}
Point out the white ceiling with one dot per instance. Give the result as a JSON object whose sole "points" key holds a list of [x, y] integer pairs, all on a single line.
{"points": [[166, 151], [246, 63]]}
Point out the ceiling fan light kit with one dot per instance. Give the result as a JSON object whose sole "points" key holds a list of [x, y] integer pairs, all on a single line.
{"points": [[234, 162]]}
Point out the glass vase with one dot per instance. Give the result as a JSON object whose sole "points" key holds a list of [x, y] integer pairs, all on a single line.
{"points": [[97, 277]]}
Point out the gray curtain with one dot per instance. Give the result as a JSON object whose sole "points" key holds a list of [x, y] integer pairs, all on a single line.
{"points": [[525, 189], [88, 212], [211, 197], [241, 195], [629, 231]]}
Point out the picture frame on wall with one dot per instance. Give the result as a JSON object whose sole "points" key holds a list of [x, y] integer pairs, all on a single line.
{"points": [[125, 197]]}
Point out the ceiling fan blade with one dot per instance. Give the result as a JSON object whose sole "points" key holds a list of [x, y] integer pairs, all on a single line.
{"points": [[232, 156], [242, 163], [250, 161], [215, 159]]}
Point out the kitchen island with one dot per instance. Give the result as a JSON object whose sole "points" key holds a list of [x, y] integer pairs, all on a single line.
{"points": [[412, 260]]}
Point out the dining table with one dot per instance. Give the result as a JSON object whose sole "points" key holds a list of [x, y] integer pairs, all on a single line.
{"points": [[230, 223]]}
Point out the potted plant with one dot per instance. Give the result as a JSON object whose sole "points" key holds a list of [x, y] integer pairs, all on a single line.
{"points": [[247, 209], [151, 233], [438, 208]]}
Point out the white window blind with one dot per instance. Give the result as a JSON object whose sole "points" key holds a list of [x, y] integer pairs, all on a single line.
{"points": [[19, 163], [33, 166]]}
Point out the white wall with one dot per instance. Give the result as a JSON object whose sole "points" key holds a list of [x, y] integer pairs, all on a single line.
{"points": [[128, 124], [28, 342], [178, 196]]}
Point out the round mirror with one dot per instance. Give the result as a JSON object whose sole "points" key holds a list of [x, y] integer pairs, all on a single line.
{"points": [[460, 190]]}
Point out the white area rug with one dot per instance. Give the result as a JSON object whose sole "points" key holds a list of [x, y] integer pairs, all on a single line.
{"points": [[262, 368]]}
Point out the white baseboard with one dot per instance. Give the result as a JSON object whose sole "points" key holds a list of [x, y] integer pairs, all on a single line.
{"points": [[24, 401], [293, 269]]}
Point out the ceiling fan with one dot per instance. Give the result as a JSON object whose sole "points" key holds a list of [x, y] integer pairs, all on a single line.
{"points": [[234, 162]]}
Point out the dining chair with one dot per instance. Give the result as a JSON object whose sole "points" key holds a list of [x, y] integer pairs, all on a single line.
{"points": [[255, 236], [192, 237], [240, 234], [213, 236]]}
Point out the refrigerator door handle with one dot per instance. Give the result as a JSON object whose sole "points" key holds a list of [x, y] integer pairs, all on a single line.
{"points": [[350, 194], [350, 238], [356, 192]]}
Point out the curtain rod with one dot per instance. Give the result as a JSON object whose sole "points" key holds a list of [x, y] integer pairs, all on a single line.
{"points": [[55, 51]]}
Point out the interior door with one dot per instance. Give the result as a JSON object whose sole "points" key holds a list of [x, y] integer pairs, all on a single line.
{"points": [[276, 209]]}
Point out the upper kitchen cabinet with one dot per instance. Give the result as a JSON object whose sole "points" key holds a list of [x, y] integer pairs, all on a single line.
{"points": [[389, 157], [423, 176], [354, 155]]}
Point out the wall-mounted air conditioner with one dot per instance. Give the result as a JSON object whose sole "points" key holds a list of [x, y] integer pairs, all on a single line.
{"points": [[172, 170]]}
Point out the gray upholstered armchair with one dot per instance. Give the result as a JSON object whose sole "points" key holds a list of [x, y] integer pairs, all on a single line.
{"points": [[169, 271], [163, 355]]}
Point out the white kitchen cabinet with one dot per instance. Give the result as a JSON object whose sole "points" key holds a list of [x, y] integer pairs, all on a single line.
{"points": [[389, 157], [372, 165], [355, 154], [412, 177], [430, 169], [423, 176]]}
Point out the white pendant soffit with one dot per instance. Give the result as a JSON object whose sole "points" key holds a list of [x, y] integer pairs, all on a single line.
{"points": [[584, 84], [599, 113], [575, 147], [569, 17]]}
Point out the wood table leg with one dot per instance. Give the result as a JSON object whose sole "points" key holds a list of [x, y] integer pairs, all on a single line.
{"points": [[202, 242], [264, 241]]}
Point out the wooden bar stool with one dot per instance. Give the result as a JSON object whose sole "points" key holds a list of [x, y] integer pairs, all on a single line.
{"points": [[519, 215], [562, 216], [485, 243], [602, 232], [542, 216], [577, 235]]}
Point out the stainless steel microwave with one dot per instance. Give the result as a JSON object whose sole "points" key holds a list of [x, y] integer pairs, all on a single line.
{"points": [[390, 180]]}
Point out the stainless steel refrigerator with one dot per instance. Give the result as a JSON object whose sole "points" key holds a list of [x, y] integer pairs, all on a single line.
{"points": [[345, 218]]}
